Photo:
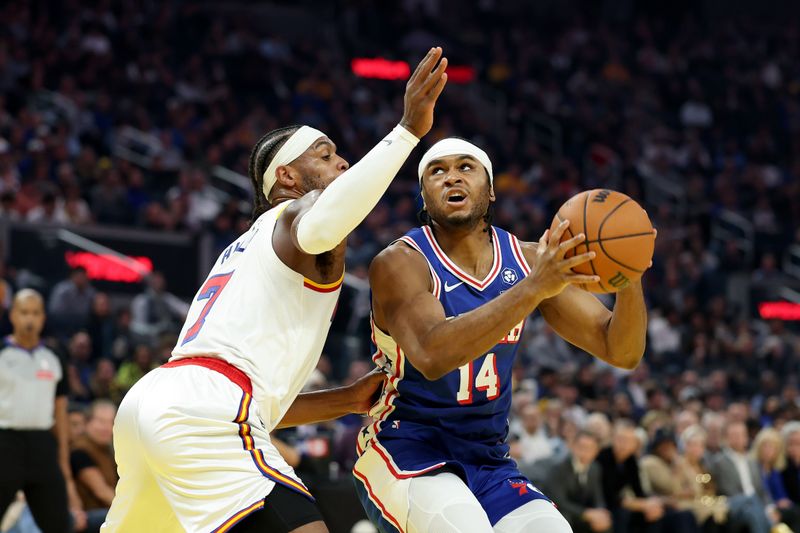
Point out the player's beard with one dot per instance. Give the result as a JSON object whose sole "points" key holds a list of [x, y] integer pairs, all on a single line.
{"points": [[462, 220], [312, 183]]}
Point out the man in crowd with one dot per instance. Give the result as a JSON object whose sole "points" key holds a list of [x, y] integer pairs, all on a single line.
{"points": [[738, 478], [574, 485]]}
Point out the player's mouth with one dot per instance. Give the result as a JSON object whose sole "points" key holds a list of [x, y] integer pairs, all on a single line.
{"points": [[456, 197]]}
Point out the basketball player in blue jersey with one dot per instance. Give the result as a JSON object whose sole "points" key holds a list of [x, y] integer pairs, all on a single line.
{"points": [[449, 302], [192, 438]]}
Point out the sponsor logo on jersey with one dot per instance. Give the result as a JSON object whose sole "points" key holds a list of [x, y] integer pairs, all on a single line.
{"points": [[510, 276]]}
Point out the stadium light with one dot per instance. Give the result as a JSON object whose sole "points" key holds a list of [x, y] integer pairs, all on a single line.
{"points": [[386, 69]]}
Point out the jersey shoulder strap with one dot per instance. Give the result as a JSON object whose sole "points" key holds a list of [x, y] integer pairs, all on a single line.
{"points": [[415, 238]]}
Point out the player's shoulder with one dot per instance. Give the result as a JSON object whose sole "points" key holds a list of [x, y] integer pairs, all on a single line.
{"points": [[288, 210], [398, 252], [398, 261]]}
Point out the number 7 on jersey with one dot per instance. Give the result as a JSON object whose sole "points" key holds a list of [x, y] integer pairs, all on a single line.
{"points": [[210, 291]]}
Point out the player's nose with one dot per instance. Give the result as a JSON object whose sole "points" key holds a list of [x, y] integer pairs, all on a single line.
{"points": [[343, 165], [452, 177]]}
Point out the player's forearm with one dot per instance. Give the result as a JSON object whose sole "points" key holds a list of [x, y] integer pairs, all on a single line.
{"points": [[627, 328], [345, 203], [318, 406], [456, 342]]}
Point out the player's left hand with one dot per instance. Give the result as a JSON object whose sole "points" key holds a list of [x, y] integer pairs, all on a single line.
{"points": [[366, 390]]}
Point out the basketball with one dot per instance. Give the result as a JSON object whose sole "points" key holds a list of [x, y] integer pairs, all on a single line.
{"points": [[617, 229]]}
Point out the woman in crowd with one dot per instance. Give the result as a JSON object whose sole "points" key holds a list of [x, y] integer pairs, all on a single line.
{"points": [[693, 487], [768, 453]]}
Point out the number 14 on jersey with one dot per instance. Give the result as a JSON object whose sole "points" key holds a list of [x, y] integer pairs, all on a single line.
{"points": [[486, 380]]}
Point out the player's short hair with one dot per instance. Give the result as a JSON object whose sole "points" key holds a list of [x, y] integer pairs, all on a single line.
{"points": [[260, 158]]}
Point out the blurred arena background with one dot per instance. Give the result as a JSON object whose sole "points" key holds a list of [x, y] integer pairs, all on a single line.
{"points": [[125, 129]]}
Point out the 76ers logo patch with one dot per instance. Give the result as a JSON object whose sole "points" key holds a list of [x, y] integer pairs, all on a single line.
{"points": [[509, 276], [523, 486]]}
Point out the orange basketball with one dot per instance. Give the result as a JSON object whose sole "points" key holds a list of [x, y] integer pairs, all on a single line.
{"points": [[617, 229]]}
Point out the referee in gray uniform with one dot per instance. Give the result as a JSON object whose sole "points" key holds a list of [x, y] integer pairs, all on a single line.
{"points": [[34, 454]]}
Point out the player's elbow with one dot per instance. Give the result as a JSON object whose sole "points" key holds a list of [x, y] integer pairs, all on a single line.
{"points": [[626, 360], [428, 366]]}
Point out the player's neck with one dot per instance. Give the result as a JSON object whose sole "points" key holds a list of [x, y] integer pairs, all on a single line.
{"points": [[470, 248]]}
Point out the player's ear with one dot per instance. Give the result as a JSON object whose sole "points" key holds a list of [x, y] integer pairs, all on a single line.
{"points": [[492, 197], [287, 176]]}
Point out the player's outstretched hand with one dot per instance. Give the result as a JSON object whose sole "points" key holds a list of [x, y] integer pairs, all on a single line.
{"points": [[423, 88], [366, 390], [552, 272]]}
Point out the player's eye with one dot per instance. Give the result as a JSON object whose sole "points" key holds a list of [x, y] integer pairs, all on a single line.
{"points": [[437, 170], [326, 157], [466, 166]]}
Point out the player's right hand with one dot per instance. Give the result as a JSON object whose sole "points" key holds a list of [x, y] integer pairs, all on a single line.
{"points": [[423, 88], [551, 273]]}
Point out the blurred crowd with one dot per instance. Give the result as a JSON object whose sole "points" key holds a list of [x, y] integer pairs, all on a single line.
{"points": [[711, 107]]}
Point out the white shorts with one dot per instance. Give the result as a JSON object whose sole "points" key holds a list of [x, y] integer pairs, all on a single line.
{"points": [[192, 453]]}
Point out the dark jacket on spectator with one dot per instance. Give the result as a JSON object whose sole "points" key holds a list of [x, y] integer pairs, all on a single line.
{"points": [[569, 493], [791, 481], [616, 476]]}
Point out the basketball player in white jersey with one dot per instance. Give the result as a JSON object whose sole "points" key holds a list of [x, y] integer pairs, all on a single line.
{"points": [[192, 437]]}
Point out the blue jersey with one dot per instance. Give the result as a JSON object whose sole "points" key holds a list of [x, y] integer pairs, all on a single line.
{"points": [[458, 422], [473, 401]]}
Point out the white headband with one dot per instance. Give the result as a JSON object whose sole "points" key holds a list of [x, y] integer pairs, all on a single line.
{"points": [[293, 148], [453, 146]]}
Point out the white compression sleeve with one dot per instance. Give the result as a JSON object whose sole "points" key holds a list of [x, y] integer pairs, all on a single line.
{"points": [[349, 199]]}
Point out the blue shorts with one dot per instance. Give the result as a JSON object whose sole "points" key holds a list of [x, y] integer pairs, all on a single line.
{"points": [[394, 456]]}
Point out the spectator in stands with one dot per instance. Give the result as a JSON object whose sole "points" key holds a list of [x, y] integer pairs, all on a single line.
{"points": [[665, 475], [598, 425], [573, 483], [768, 454], [714, 424], [697, 490], [791, 473], [92, 461], [103, 383], [76, 415], [101, 328], [155, 312], [132, 371], [530, 442], [631, 508], [80, 368], [70, 304], [738, 478]]}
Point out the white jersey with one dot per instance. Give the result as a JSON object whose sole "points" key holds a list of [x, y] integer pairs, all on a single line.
{"points": [[262, 317]]}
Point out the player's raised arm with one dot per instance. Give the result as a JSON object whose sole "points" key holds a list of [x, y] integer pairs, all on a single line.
{"points": [[320, 222], [404, 307]]}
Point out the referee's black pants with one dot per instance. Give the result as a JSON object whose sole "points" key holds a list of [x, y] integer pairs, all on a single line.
{"points": [[29, 462]]}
